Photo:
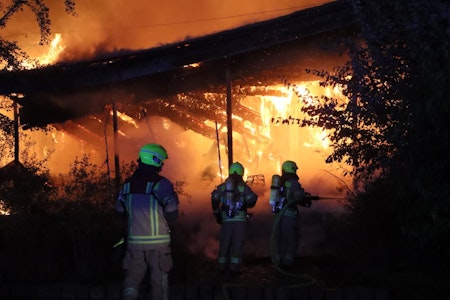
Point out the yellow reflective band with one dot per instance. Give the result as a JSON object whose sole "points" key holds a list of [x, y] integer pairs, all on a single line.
{"points": [[120, 242], [159, 239]]}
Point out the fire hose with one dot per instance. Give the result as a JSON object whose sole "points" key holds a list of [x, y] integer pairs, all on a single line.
{"points": [[308, 280], [310, 198]]}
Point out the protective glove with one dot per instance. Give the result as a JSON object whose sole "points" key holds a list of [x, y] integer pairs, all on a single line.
{"points": [[218, 217], [306, 202], [275, 209]]}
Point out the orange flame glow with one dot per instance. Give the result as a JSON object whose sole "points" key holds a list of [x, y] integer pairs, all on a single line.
{"points": [[50, 57], [3, 210], [56, 48]]}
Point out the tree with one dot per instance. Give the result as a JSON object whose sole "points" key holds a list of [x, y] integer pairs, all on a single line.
{"points": [[392, 127], [6, 136], [11, 56]]}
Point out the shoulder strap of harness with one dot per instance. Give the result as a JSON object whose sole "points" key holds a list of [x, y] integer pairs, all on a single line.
{"points": [[141, 184], [152, 185]]}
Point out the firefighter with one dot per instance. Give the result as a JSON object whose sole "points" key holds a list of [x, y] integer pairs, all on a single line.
{"points": [[149, 203], [230, 201], [286, 195]]}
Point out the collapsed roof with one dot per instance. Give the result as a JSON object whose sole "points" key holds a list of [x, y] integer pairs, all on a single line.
{"points": [[184, 81]]}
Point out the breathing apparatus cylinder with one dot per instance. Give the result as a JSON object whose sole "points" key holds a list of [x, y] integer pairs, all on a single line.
{"points": [[230, 197], [275, 193]]}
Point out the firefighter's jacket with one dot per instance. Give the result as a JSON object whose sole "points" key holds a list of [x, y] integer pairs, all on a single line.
{"points": [[245, 197], [147, 201], [294, 193]]}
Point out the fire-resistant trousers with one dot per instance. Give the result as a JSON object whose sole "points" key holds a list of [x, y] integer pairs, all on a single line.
{"points": [[286, 240], [158, 262], [232, 239]]}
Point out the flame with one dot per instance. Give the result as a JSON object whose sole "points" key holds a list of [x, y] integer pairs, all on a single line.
{"points": [[52, 55], [56, 48], [278, 104], [3, 210], [126, 118], [193, 65], [271, 106], [320, 138], [286, 106]]}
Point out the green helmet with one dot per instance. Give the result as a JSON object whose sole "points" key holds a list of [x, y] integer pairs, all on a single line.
{"points": [[236, 168], [153, 155], [289, 167]]}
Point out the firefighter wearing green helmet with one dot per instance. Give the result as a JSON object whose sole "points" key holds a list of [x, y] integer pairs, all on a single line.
{"points": [[149, 202], [287, 194], [230, 201]]}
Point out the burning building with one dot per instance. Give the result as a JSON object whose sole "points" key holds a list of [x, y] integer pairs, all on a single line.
{"points": [[188, 82], [232, 95]]}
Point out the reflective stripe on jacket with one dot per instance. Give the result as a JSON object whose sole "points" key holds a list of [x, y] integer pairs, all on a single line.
{"points": [[147, 226]]}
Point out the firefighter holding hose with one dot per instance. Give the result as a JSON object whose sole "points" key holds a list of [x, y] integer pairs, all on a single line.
{"points": [[230, 201], [286, 195]]}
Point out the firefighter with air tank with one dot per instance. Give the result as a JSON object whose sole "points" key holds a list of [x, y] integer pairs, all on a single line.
{"points": [[230, 201], [286, 195], [149, 202]]}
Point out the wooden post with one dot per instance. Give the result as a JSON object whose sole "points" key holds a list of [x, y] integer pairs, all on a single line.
{"points": [[218, 152], [16, 133], [229, 114], [116, 149]]}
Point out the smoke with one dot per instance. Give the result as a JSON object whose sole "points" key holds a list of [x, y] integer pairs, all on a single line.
{"points": [[194, 165], [103, 26], [191, 156], [111, 26]]}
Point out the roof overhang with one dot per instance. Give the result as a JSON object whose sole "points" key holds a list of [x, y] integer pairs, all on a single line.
{"points": [[172, 80], [178, 57]]}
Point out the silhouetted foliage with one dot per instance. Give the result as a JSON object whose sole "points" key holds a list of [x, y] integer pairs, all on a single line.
{"points": [[85, 182], [22, 189], [11, 56], [392, 127], [68, 223], [6, 137]]}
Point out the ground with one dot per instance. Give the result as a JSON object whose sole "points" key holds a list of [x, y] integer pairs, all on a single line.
{"points": [[323, 271]]}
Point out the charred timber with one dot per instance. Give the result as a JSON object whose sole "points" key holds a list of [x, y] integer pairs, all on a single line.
{"points": [[71, 77]]}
